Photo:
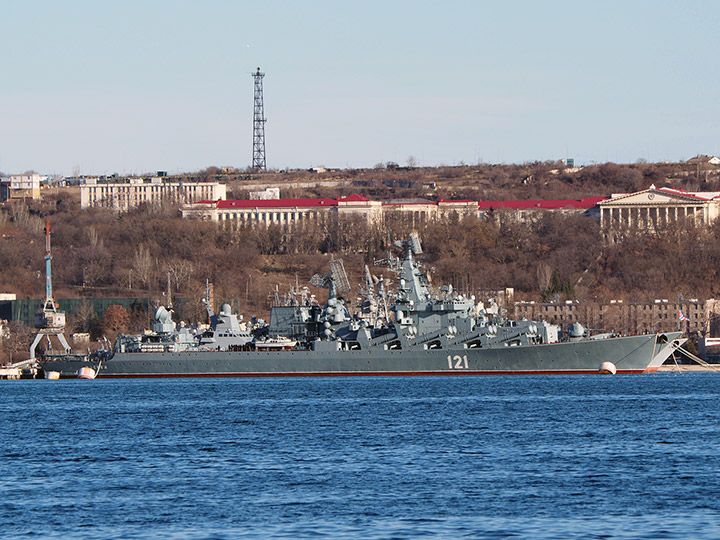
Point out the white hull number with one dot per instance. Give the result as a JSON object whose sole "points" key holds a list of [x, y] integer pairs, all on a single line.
{"points": [[457, 361]]}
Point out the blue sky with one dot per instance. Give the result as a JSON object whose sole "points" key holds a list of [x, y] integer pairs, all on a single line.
{"points": [[138, 86]]}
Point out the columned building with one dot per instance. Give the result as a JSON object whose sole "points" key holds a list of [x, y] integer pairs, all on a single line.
{"points": [[418, 211], [235, 214], [656, 208]]}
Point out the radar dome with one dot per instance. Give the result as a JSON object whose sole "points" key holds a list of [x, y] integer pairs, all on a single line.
{"points": [[162, 315], [576, 330], [225, 309]]}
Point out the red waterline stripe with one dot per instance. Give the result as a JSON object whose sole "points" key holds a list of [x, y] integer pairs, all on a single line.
{"points": [[355, 374]]}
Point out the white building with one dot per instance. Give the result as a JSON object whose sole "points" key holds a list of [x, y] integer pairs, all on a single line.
{"points": [[21, 187], [266, 194], [654, 208], [124, 195], [238, 213], [248, 212], [704, 159]]}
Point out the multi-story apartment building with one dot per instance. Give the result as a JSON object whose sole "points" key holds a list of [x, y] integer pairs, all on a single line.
{"points": [[123, 195], [695, 317], [20, 187]]}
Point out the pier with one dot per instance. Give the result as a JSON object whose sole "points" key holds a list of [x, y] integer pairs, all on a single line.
{"points": [[26, 369]]}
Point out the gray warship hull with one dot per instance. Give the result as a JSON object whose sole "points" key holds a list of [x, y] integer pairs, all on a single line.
{"points": [[633, 354]]}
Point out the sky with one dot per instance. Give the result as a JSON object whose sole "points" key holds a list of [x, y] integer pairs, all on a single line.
{"points": [[132, 87]]}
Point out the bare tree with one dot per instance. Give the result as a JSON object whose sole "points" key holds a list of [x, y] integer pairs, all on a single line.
{"points": [[180, 271], [94, 237], [85, 314], [143, 265], [544, 276], [17, 343]]}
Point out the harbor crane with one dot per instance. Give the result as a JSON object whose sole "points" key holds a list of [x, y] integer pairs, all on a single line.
{"points": [[49, 321]]}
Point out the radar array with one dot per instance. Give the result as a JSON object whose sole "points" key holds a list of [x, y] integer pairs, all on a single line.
{"points": [[336, 277]]}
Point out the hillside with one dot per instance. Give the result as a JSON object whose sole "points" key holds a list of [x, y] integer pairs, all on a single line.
{"points": [[100, 253]]}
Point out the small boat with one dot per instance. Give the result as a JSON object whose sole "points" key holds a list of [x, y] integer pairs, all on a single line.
{"points": [[275, 344]]}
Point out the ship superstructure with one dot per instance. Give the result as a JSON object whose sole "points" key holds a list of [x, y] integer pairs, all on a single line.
{"points": [[226, 332]]}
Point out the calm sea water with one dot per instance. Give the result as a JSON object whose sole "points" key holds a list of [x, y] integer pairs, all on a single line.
{"points": [[407, 457]]}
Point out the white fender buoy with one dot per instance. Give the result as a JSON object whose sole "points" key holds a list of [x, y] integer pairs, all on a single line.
{"points": [[607, 368], [86, 373]]}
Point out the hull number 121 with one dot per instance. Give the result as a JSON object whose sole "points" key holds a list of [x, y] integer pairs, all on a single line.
{"points": [[457, 361]]}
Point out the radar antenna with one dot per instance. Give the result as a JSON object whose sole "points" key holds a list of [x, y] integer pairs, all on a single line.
{"points": [[410, 246], [336, 279], [414, 243]]}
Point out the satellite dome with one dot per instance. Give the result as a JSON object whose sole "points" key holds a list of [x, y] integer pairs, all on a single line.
{"points": [[162, 315], [225, 309], [576, 330]]}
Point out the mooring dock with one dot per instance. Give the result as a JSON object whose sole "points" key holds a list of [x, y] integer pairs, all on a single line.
{"points": [[27, 369]]}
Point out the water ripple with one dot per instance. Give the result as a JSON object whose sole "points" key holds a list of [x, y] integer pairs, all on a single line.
{"points": [[377, 458]]}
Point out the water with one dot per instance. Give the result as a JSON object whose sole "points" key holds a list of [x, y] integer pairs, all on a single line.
{"points": [[377, 458]]}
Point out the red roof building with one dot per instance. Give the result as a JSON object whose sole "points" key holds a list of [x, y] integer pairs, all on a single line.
{"points": [[559, 204], [288, 211]]}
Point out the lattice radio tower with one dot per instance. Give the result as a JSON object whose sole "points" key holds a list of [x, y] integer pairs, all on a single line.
{"points": [[258, 161]]}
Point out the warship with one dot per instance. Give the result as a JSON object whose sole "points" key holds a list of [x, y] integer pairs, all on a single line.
{"points": [[408, 331]]}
